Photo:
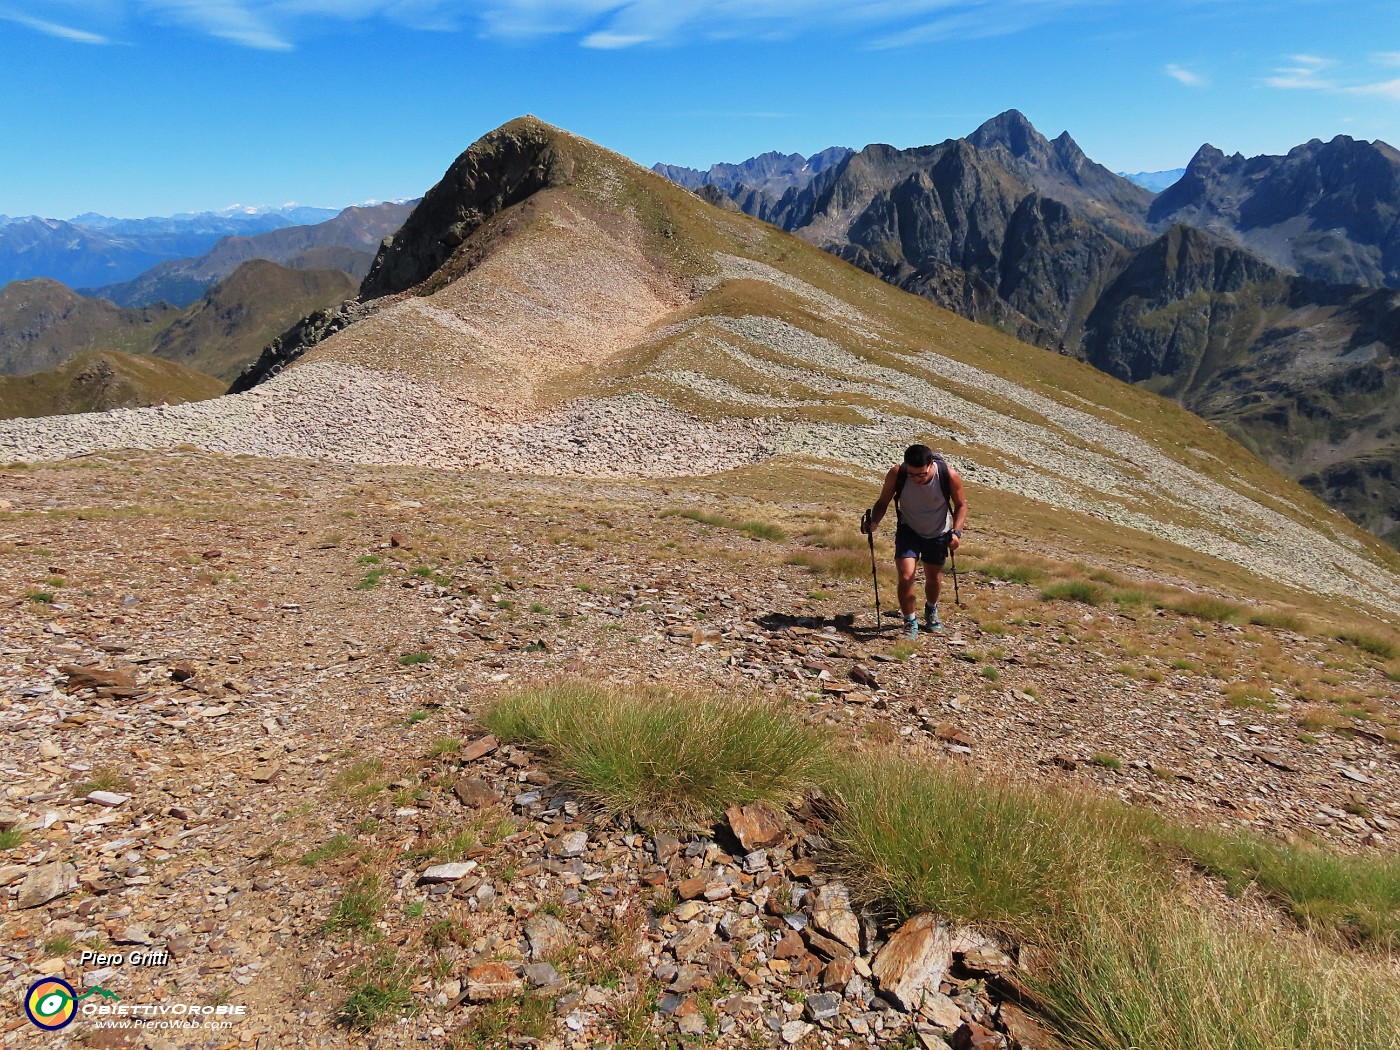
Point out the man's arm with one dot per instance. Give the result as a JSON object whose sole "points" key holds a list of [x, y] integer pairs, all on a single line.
{"points": [[958, 498], [886, 494]]}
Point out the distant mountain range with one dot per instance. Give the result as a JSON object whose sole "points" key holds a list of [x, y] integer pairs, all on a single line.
{"points": [[347, 241], [1255, 292], [44, 325], [96, 249], [1156, 181]]}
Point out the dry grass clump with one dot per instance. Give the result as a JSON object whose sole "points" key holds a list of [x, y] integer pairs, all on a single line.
{"points": [[680, 758], [1165, 975]]}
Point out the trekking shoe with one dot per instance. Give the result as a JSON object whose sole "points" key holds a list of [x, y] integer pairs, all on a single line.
{"points": [[931, 620], [911, 628]]}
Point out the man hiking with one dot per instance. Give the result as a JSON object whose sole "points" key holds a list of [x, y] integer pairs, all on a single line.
{"points": [[931, 510]]}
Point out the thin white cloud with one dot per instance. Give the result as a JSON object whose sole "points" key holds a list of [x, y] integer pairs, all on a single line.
{"points": [[239, 23], [1313, 73], [1389, 89], [615, 41], [39, 25], [1184, 76], [600, 24], [1304, 74]]}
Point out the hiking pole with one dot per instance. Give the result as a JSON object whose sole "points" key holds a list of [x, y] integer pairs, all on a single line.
{"points": [[953, 561], [869, 531]]}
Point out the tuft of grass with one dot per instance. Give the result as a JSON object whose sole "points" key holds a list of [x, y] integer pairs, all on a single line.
{"points": [[379, 989], [1073, 591], [358, 908], [104, 778], [919, 836], [1106, 761], [1284, 621], [1206, 607], [1012, 573], [336, 846], [40, 597], [1349, 899], [358, 775], [832, 564], [1369, 643], [444, 746], [59, 946], [370, 580], [11, 839], [1157, 974], [410, 659], [415, 718], [679, 757], [758, 529]]}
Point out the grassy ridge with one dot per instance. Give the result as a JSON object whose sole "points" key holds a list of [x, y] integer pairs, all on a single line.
{"points": [[1134, 962]]}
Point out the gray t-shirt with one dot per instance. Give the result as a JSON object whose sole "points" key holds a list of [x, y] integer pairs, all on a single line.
{"points": [[923, 507]]}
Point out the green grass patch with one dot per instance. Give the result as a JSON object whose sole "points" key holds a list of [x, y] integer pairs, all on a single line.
{"points": [[758, 529], [920, 836], [1206, 607], [40, 597], [1369, 643], [358, 908], [59, 946], [358, 775], [11, 839], [379, 989], [1349, 899], [1283, 621], [335, 846], [1023, 574], [370, 580], [1073, 591], [1150, 972], [411, 659], [680, 758], [444, 746], [1106, 761]]}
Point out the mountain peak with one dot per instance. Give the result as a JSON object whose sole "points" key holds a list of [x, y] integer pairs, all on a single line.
{"points": [[1012, 131]]}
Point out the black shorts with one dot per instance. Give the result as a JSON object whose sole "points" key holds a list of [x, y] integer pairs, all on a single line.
{"points": [[909, 544]]}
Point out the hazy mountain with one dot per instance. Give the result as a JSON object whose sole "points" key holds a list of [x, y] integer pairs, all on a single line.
{"points": [[1011, 229], [771, 173], [1156, 181], [226, 222], [1327, 210], [97, 249], [228, 327], [100, 380], [346, 242], [43, 324]]}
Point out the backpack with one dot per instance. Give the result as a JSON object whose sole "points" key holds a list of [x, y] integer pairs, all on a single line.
{"points": [[945, 483]]}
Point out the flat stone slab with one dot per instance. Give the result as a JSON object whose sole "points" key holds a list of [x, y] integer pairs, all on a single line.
{"points": [[448, 872]]}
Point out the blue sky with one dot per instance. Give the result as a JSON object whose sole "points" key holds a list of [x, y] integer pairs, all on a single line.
{"points": [[141, 107]]}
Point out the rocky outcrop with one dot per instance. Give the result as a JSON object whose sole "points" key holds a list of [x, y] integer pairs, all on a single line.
{"points": [[1327, 210], [501, 169]]}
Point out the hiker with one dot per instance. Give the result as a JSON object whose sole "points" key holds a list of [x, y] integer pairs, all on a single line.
{"points": [[931, 509]]}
